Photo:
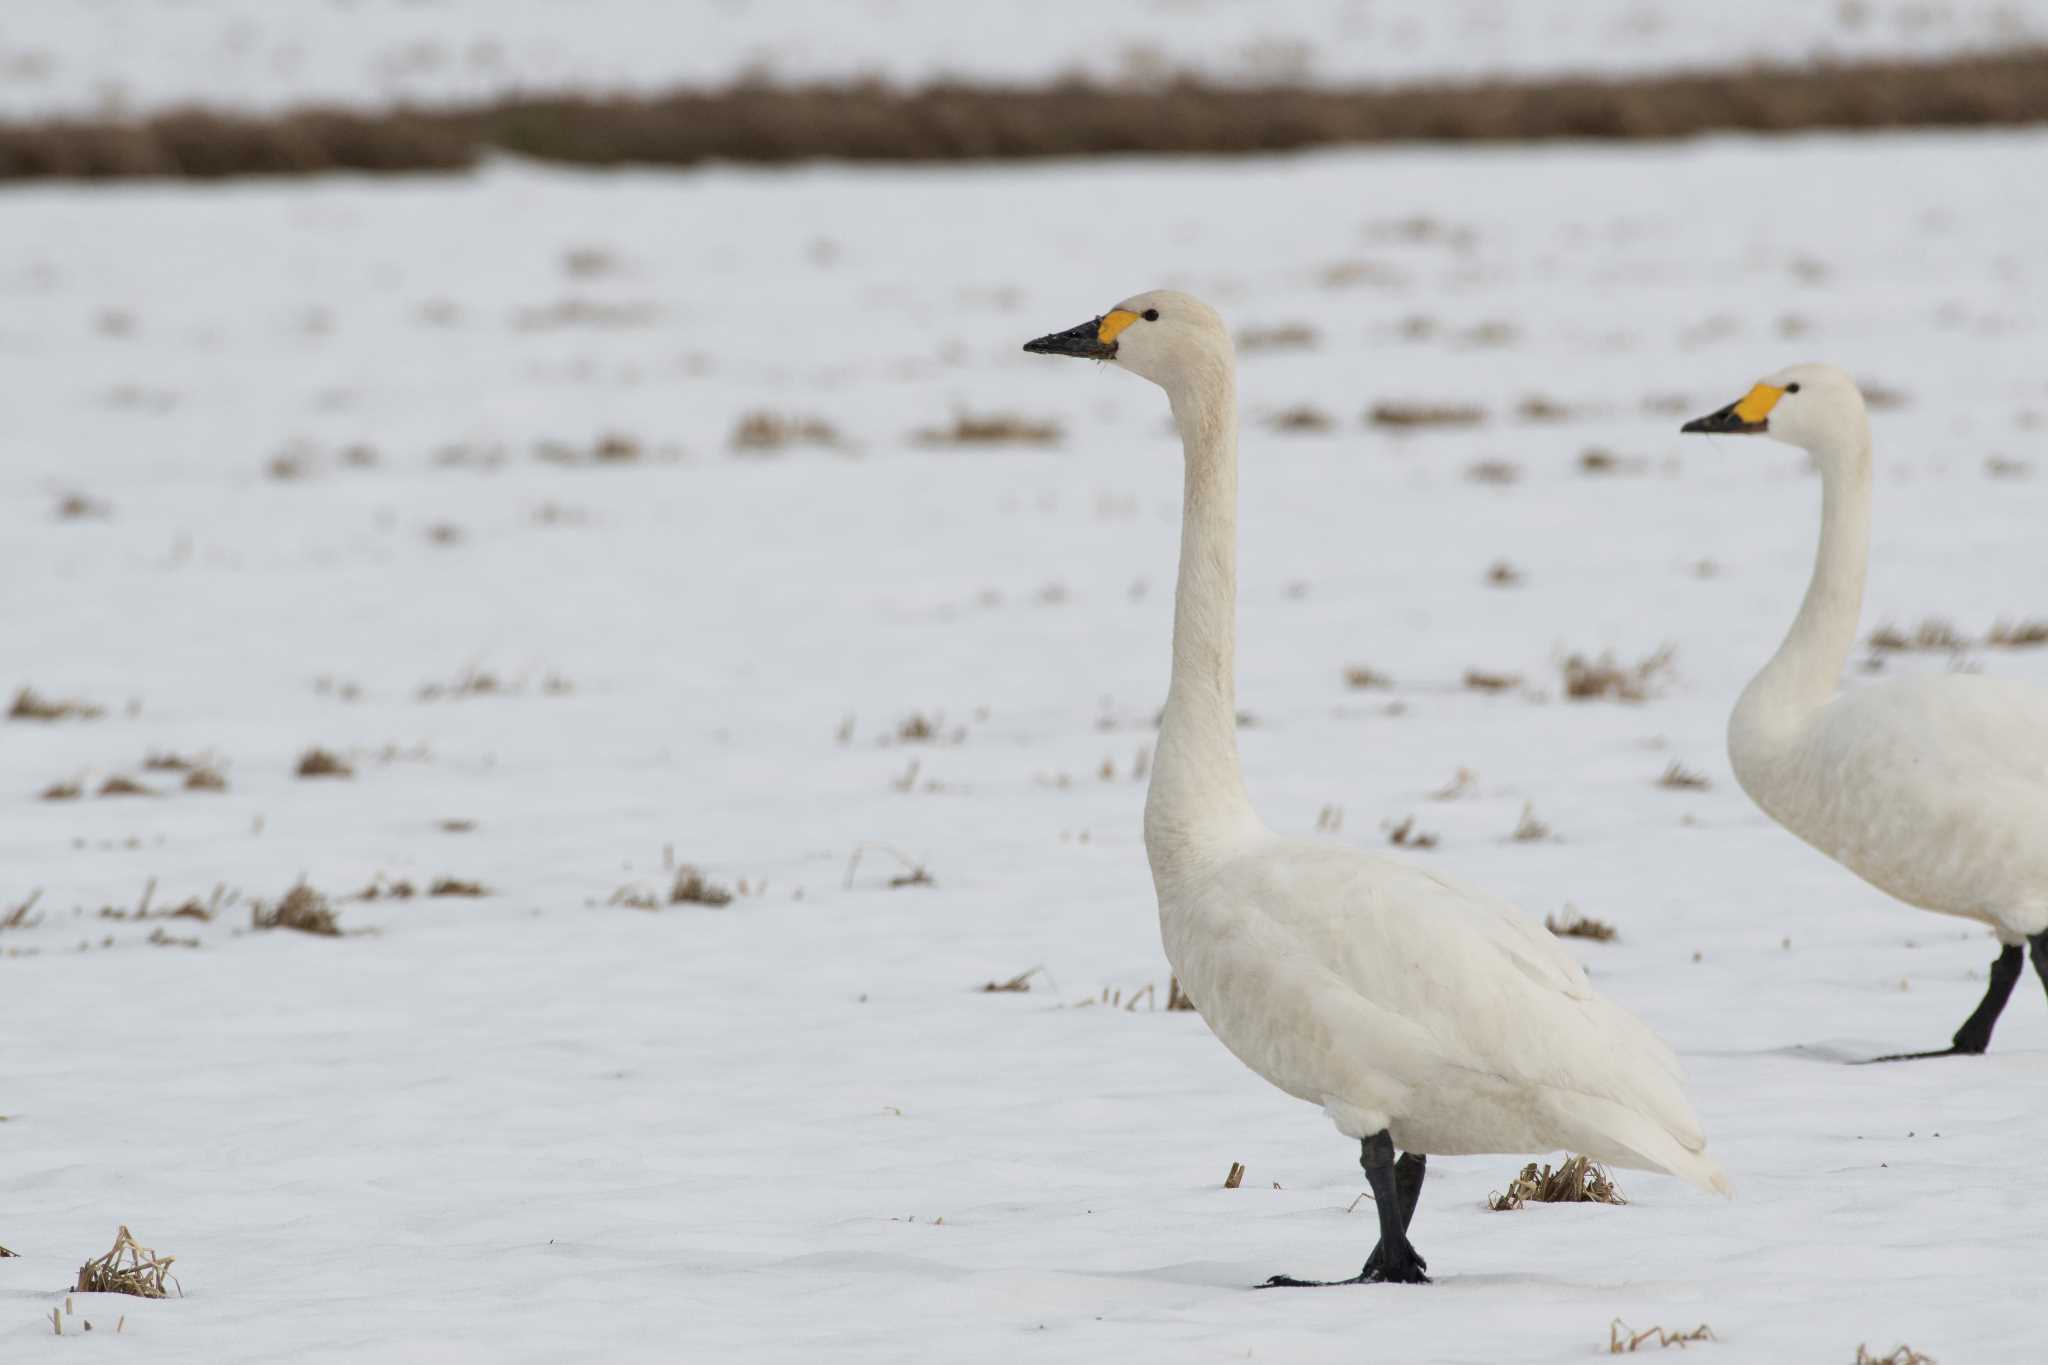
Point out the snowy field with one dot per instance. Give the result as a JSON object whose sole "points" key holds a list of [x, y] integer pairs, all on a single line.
{"points": [[95, 55], [439, 475]]}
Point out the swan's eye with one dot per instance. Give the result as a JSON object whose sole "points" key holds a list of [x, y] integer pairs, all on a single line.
{"points": [[1151, 315], [1791, 388]]}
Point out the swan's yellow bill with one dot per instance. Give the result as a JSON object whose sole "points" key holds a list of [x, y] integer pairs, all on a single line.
{"points": [[1113, 322], [1758, 402]]}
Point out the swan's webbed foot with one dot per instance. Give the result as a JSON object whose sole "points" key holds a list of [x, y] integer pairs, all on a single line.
{"points": [[1411, 1269], [1396, 1189], [1975, 1035]]}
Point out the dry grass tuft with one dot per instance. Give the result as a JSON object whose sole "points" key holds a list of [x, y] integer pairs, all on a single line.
{"points": [[1934, 633], [1580, 1180], [1576, 925], [318, 762], [18, 917], [1494, 471], [2017, 634], [1405, 835], [1623, 1339], [1287, 336], [1501, 574], [455, 886], [1019, 984], [205, 780], [1681, 778], [1408, 416], [302, 908], [1589, 680], [1901, 1355], [117, 785], [1359, 678], [28, 705], [62, 791], [690, 888], [990, 429], [1477, 680], [1528, 829], [1235, 1177], [768, 433], [129, 1268], [1537, 408], [1176, 999], [1302, 418], [79, 507]]}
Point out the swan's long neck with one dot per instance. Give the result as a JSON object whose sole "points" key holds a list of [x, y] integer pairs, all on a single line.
{"points": [[1197, 800], [1806, 671]]}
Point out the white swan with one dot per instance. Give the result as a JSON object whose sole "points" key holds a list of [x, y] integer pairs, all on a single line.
{"points": [[1416, 1012], [1932, 789]]}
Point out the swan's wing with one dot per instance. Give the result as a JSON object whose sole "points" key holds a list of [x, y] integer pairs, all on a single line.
{"points": [[1955, 729]]}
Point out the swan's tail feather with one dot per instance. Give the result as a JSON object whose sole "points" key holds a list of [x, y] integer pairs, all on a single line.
{"points": [[1610, 1133]]}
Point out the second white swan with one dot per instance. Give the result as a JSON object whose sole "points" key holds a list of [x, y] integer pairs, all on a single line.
{"points": [[1418, 1013], [1932, 789]]}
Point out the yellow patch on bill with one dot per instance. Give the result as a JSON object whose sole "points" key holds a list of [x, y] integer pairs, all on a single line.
{"points": [[1114, 322], [1758, 402]]}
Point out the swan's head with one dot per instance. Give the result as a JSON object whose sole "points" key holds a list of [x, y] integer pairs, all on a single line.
{"points": [[1162, 336], [1804, 406]]}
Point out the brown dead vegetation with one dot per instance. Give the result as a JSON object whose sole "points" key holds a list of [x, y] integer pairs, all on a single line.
{"points": [[1359, 678], [1494, 471], [1592, 679], [455, 886], [1579, 1180], [970, 429], [301, 908], [62, 791], [1623, 1339], [205, 780], [30, 705], [1404, 834], [317, 762], [1681, 778], [1933, 634], [1478, 680], [1176, 999], [118, 785], [1016, 985], [1409, 416], [761, 121], [79, 507], [129, 1268], [1302, 419], [769, 433], [1900, 1355], [691, 888], [2018, 634], [1537, 408], [1576, 925], [1287, 336]]}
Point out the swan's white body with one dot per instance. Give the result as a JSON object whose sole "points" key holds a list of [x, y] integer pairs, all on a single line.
{"points": [[1396, 1000], [1933, 789]]}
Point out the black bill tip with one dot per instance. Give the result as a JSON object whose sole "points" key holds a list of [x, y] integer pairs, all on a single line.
{"points": [[1084, 340], [1726, 422]]}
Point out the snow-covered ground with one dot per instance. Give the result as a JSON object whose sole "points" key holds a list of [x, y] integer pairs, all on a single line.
{"points": [[90, 55], [540, 1126]]}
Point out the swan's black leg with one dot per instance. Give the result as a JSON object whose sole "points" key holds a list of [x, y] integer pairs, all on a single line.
{"points": [[1975, 1034], [1396, 1188], [1408, 1174]]}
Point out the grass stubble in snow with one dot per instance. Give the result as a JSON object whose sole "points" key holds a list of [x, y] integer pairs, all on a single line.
{"points": [[554, 1122]]}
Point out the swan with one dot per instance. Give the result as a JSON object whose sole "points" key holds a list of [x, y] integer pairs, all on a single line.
{"points": [[1934, 790], [1417, 1013]]}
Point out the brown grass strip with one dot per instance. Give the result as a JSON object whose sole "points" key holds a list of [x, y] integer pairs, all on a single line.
{"points": [[951, 121]]}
